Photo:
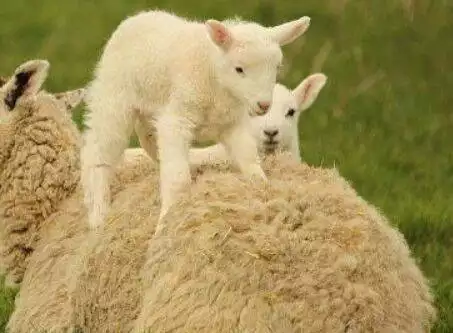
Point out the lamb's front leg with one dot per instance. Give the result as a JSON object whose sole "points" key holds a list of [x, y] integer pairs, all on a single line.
{"points": [[146, 136], [242, 147], [174, 136]]}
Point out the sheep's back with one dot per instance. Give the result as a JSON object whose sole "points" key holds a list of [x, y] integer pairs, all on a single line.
{"points": [[303, 253]]}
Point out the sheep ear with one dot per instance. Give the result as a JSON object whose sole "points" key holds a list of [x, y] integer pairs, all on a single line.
{"points": [[287, 32], [26, 80], [307, 91], [71, 98], [219, 34]]}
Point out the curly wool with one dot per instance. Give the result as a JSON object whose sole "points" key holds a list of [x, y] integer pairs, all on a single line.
{"points": [[47, 290], [40, 168], [301, 253]]}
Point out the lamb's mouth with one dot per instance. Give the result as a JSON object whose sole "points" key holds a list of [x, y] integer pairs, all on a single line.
{"points": [[253, 113], [270, 146]]}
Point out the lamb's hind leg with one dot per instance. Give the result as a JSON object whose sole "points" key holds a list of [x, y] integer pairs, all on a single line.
{"points": [[174, 136], [110, 124], [146, 134]]}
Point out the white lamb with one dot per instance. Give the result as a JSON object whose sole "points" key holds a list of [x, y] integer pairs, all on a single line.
{"points": [[278, 129], [186, 80]]}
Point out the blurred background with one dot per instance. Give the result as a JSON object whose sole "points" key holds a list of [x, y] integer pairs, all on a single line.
{"points": [[384, 119]]}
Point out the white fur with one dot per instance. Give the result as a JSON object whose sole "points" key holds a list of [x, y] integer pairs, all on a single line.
{"points": [[175, 80], [277, 120]]}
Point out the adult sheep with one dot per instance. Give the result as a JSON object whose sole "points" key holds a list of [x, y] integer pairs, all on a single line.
{"points": [[39, 183], [39, 160], [234, 257], [276, 131], [57, 263], [188, 80], [40, 163], [300, 253]]}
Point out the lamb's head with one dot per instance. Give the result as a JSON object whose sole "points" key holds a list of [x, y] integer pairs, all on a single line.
{"points": [[24, 107], [248, 57], [277, 130]]}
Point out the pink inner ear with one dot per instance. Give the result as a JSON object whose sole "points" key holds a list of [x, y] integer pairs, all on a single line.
{"points": [[307, 91], [221, 34]]}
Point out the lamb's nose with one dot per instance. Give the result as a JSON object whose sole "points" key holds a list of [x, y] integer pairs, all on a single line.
{"points": [[271, 133], [264, 105]]}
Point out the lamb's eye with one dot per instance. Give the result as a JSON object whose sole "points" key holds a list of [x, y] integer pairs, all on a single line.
{"points": [[290, 112], [239, 70]]}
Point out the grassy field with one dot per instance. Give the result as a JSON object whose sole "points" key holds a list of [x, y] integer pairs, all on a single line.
{"points": [[385, 118]]}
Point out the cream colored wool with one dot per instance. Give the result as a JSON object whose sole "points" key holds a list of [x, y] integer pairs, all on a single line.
{"points": [[303, 253], [39, 161], [44, 301], [108, 292], [111, 268], [40, 164]]}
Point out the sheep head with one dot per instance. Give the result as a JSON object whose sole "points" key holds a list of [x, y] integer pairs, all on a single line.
{"points": [[24, 87], [23, 104], [278, 129], [249, 57]]}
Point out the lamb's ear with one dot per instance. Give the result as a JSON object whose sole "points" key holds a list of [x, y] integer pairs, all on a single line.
{"points": [[26, 80], [3, 80], [219, 34], [287, 32], [307, 91], [71, 98]]}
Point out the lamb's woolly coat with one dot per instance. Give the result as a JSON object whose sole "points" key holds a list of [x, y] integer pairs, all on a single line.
{"points": [[234, 257], [183, 78]]}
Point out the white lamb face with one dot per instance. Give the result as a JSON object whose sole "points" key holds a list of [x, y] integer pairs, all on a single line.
{"points": [[250, 58], [22, 103], [278, 129]]}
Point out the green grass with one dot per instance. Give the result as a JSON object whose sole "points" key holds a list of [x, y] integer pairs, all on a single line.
{"points": [[6, 304], [384, 119]]}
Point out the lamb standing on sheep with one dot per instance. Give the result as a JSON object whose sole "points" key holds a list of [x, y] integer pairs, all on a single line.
{"points": [[188, 80], [39, 161], [278, 129]]}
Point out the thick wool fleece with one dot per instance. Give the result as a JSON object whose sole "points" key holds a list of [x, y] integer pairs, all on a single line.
{"points": [[302, 253], [39, 159], [44, 301]]}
